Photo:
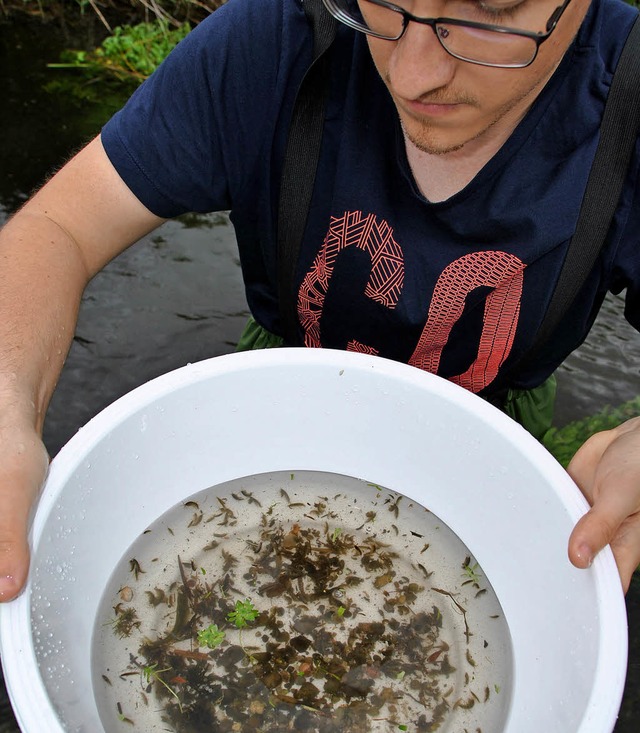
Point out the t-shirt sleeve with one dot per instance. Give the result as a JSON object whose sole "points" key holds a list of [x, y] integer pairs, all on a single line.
{"points": [[189, 137]]}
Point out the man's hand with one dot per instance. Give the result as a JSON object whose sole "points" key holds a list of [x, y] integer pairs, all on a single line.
{"points": [[607, 470], [23, 467]]}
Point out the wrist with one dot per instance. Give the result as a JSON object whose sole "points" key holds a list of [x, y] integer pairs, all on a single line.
{"points": [[18, 408]]}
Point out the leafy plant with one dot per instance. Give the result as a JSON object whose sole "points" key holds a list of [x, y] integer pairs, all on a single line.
{"points": [[244, 613], [563, 442], [211, 637], [131, 52], [471, 572], [125, 621]]}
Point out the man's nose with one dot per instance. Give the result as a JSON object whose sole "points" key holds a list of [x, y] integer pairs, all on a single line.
{"points": [[419, 63]]}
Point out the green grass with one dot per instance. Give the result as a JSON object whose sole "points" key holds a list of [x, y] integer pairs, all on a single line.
{"points": [[131, 52], [564, 442]]}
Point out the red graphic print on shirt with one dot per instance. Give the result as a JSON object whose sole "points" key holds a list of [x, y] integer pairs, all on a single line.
{"points": [[502, 272], [385, 280], [497, 270]]}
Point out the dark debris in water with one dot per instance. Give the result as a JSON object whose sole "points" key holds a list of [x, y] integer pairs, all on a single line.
{"points": [[314, 660]]}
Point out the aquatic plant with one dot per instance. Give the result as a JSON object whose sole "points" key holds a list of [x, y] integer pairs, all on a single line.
{"points": [[211, 637], [243, 614], [280, 635]]}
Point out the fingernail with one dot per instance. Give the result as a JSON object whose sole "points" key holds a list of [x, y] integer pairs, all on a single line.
{"points": [[8, 587], [585, 555]]}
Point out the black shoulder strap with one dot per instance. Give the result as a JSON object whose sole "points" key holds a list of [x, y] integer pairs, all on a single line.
{"points": [[300, 163], [619, 134]]}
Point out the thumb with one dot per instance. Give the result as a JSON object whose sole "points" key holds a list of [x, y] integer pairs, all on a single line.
{"points": [[607, 470], [23, 466], [611, 521], [595, 530], [14, 563]]}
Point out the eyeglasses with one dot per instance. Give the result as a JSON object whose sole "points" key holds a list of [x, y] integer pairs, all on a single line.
{"points": [[466, 37]]}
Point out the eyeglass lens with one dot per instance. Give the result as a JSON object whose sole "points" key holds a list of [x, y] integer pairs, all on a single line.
{"points": [[465, 42]]}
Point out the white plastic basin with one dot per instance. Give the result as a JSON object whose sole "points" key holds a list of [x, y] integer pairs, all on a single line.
{"points": [[319, 410]]}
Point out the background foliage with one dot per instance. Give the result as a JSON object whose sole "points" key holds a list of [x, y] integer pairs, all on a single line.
{"points": [[121, 39], [129, 11], [135, 37], [563, 442]]}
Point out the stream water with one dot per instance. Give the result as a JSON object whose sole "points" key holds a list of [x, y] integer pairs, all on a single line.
{"points": [[158, 306]]}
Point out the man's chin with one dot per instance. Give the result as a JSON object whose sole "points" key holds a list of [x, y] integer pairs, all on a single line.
{"points": [[427, 141]]}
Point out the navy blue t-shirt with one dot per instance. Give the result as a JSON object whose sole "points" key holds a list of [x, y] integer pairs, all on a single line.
{"points": [[459, 287]]}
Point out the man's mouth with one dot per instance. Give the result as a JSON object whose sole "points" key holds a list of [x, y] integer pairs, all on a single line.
{"points": [[434, 108], [425, 107]]}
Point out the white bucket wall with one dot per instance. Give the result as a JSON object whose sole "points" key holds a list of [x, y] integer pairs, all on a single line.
{"points": [[319, 410]]}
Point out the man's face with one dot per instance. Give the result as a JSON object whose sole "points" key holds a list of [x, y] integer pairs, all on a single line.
{"points": [[444, 103]]}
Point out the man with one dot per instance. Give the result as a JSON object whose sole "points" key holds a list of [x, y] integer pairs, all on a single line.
{"points": [[457, 142]]}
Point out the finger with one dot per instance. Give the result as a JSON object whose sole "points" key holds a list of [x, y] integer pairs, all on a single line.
{"points": [[605, 523], [14, 565], [607, 470], [21, 476], [625, 547], [626, 550]]}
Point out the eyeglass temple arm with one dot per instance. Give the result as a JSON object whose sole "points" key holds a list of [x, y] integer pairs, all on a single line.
{"points": [[553, 20]]}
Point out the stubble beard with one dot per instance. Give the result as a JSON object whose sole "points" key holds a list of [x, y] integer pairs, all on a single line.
{"points": [[423, 140], [428, 138]]}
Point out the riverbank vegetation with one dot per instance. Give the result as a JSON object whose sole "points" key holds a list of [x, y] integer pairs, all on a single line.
{"points": [[123, 38], [129, 53], [110, 13], [564, 442]]}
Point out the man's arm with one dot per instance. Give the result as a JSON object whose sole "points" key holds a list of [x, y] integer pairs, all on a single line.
{"points": [[80, 220]]}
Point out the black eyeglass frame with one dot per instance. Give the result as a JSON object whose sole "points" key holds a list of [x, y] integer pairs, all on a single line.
{"points": [[433, 23]]}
